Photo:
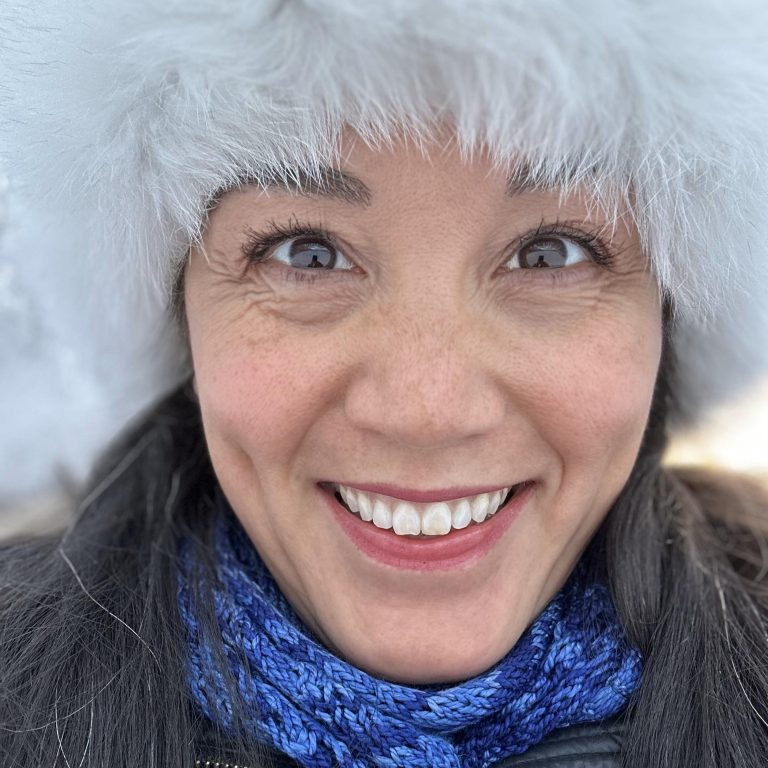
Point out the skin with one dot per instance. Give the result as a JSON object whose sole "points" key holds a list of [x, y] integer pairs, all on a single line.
{"points": [[432, 363]]}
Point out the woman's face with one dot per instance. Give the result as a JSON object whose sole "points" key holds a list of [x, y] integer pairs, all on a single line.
{"points": [[438, 339]]}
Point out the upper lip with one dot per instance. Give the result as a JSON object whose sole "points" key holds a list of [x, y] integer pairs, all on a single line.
{"points": [[422, 496]]}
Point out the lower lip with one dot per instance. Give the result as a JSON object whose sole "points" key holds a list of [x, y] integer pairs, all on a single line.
{"points": [[453, 550]]}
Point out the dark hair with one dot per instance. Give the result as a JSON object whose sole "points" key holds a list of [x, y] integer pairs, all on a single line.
{"points": [[92, 655]]}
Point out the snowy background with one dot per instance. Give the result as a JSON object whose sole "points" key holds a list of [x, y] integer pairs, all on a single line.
{"points": [[66, 382]]}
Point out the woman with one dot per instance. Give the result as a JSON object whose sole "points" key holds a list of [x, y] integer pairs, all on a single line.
{"points": [[447, 276]]}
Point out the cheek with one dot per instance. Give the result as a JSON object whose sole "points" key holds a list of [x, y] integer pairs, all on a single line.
{"points": [[260, 388], [600, 389], [259, 380]]}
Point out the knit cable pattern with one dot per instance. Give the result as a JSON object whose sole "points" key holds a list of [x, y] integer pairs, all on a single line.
{"points": [[572, 665]]}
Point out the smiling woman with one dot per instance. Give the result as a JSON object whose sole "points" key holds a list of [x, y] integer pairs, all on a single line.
{"points": [[415, 355], [442, 289]]}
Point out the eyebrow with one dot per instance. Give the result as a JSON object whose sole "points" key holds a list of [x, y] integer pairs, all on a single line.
{"points": [[523, 180], [339, 185], [328, 182]]}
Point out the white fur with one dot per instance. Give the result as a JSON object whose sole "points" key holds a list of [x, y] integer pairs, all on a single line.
{"points": [[125, 116]]}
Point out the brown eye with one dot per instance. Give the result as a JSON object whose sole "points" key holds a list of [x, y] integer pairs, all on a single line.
{"points": [[548, 253], [310, 253]]}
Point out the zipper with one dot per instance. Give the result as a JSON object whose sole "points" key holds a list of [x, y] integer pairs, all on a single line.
{"points": [[216, 764]]}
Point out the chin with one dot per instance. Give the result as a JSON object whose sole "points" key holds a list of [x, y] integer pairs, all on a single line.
{"points": [[430, 664]]}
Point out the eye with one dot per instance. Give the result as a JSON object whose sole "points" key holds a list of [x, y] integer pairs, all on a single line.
{"points": [[310, 253], [548, 253]]}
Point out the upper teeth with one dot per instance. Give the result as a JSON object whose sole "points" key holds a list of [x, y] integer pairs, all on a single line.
{"points": [[434, 519]]}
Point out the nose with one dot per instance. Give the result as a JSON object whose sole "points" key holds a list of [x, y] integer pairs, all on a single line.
{"points": [[427, 382]]}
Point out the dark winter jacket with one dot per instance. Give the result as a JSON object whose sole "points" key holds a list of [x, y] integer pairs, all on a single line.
{"points": [[580, 746]]}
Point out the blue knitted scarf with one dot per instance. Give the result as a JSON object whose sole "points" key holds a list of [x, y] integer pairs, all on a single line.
{"points": [[572, 665]]}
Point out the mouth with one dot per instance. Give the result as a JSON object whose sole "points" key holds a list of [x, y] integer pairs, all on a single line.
{"points": [[423, 520], [425, 535]]}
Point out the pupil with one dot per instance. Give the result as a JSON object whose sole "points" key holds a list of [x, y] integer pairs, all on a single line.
{"points": [[311, 254], [543, 254]]}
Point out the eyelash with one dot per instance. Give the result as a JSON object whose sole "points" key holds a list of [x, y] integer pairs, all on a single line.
{"points": [[259, 244], [590, 241]]}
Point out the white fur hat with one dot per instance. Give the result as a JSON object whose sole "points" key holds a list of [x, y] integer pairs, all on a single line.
{"points": [[120, 119]]}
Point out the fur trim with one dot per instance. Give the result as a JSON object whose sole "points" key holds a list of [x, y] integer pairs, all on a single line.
{"points": [[126, 116]]}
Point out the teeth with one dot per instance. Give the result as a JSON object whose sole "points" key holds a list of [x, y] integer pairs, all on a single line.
{"points": [[480, 506], [382, 514], [462, 514], [405, 520], [434, 519], [366, 508]]}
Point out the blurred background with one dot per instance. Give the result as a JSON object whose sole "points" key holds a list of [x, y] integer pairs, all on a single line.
{"points": [[734, 437]]}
